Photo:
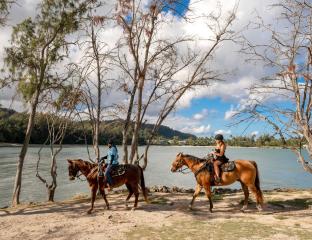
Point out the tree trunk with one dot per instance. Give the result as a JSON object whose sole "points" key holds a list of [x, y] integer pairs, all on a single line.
{"points": [[52, 187], [99, 94], [127, 124], [20, 163], [51, 193], [124, 144], [145, 155], [134, 143]]}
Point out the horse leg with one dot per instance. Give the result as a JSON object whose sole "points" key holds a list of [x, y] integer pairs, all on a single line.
{"points": [[130, 193], [258, 196], [208, 194], [135, 189], [197, 191], [246, 193], [102, 191], [94, 189]]}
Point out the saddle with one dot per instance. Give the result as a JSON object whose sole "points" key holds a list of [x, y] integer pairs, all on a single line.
{"points": [[118, 170], [224, 167]]}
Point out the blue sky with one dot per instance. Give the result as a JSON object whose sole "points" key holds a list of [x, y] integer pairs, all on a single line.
{"points": [[215, 108]]}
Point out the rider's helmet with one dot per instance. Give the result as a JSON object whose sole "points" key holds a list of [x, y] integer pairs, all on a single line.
{"points": [[110, 141], [219, 137]]}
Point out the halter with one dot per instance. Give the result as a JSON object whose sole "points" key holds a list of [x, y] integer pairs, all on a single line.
{"points": [[183, 170], [78, 177]]}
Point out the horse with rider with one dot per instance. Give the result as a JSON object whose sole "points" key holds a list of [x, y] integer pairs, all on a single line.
{"points": [[214, 170]]}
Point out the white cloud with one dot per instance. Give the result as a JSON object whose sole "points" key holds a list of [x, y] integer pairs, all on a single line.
{"points": [[200, 116], [197, 130], [223, 132], [230, 113]]}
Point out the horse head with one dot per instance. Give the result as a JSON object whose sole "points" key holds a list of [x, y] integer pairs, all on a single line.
{"points": [[178, 162], [72, 169]]}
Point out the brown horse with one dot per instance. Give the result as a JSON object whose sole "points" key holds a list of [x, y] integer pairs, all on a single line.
{"points": [[132, 177], [246, 172]]}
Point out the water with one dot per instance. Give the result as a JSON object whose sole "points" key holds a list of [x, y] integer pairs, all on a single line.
{"points": [[277, 167]]}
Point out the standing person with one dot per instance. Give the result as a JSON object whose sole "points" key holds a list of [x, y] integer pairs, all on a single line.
{"points": [[112, 160], [220, 158]]}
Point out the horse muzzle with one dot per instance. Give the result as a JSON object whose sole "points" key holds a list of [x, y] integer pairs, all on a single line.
{"points": [[173, 169]]}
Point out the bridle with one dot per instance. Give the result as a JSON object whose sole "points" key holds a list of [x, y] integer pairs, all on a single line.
{"points": [[182, 170], [78, 176]]}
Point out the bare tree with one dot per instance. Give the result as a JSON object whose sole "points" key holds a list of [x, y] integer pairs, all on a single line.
{"points": [[94, 68], [152, 73], [61, 112], [283, 98]]}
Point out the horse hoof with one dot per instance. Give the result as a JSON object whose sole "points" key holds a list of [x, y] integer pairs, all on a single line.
{"points": [[89, 211], [107, 207], [243, 209], [190, 207], [260, 209], [210, 210], [133, 209]]}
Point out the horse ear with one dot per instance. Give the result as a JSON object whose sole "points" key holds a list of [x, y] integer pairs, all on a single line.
{"points": [[69, 161]]}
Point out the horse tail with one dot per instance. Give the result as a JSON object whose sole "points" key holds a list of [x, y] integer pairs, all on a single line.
{"points": [[257, 182], [142, 184]]}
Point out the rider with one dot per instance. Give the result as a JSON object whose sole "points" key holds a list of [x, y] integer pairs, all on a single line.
{"points": [[220, 158], [112, 160]]}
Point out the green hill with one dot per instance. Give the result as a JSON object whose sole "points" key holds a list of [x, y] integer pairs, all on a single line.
{"points": [[13, 126]]}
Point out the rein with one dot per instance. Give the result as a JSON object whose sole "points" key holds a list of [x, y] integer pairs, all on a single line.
{"points": [[78, 177], [201, 168], [183, 170]]}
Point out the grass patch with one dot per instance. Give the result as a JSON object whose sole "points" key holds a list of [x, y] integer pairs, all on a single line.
{"points": [[159, 200], [225, 230], [300, 203], [217, 197], [280, 217]]}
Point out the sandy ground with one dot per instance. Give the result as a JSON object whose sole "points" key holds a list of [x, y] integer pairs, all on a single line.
{"points": [[287, 215]]}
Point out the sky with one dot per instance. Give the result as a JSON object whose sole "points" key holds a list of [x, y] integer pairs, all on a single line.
{"points": [[205, 111]]}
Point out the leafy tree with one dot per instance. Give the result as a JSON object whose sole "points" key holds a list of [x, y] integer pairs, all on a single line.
{"points": [[37, 46], [4, 10]]}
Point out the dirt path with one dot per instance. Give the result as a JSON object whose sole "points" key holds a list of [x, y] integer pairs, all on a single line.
{"points": [[288, 215]]}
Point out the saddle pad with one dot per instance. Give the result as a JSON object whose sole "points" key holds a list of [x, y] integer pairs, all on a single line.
{"points": [[118, 170], [228, 167]]}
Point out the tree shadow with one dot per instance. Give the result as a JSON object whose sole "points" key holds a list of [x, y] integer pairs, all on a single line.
{"points": [[225, 206]]}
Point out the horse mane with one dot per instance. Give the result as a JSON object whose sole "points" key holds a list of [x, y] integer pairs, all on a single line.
{"points": [[193, 158], [90, 165]]}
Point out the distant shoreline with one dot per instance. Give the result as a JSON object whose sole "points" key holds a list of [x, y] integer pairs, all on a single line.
{"points": [[77, 145]]}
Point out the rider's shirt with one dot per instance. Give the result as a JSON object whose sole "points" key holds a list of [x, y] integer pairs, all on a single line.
{"points": [[112, 155], [222, 158]]}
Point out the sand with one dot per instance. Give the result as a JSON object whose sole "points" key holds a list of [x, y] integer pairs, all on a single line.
{"points": [[287, 215]]}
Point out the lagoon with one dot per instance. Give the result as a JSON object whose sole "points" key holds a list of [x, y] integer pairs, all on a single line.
{"points": [[278, 169]]}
